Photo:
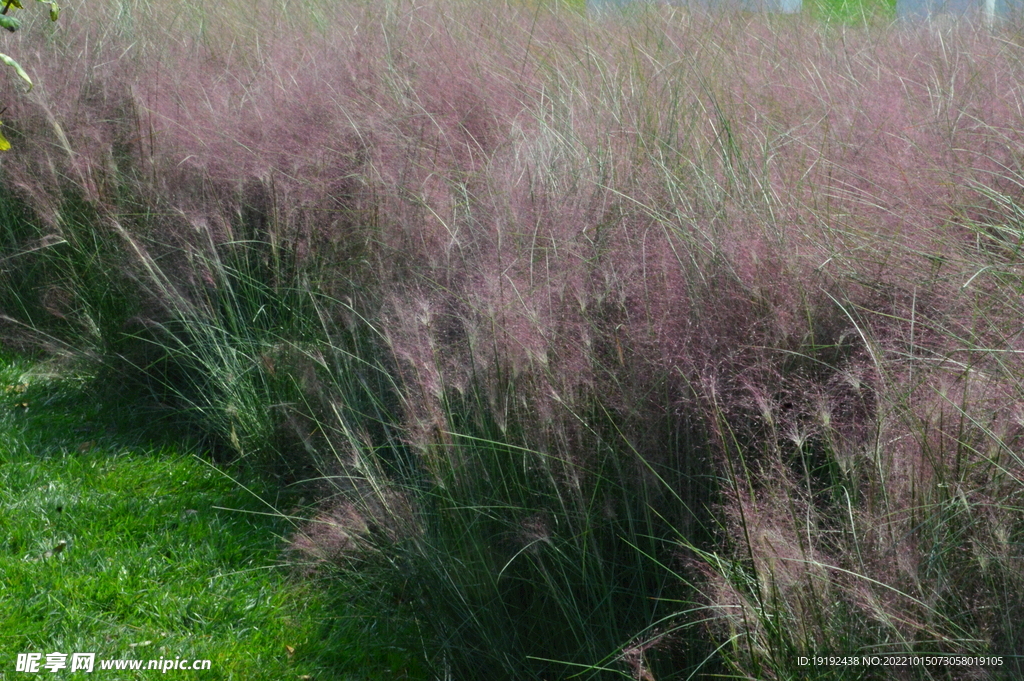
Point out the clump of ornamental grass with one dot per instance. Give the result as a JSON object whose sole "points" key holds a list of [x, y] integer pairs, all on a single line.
{"points": [[640, 346]]}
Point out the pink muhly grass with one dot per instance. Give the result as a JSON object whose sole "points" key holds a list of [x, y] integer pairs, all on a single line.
{"points": [[790, 242]]}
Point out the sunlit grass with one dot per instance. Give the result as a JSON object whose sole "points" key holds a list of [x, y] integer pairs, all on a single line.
{"points": [[136, 550]]}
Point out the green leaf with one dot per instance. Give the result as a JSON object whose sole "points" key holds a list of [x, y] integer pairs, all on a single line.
{"points": [[4, 144], [10, 23], [17, 68], [14, 3], [54, 10]]}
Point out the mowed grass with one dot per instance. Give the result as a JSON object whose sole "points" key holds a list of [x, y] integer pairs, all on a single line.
{"points": [[163, 554]]}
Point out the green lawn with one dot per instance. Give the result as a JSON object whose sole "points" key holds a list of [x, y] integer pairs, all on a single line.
{"points": [[113, 545]]}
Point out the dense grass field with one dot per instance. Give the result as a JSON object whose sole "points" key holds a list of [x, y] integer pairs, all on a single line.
{"points": [[648, 345]]}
